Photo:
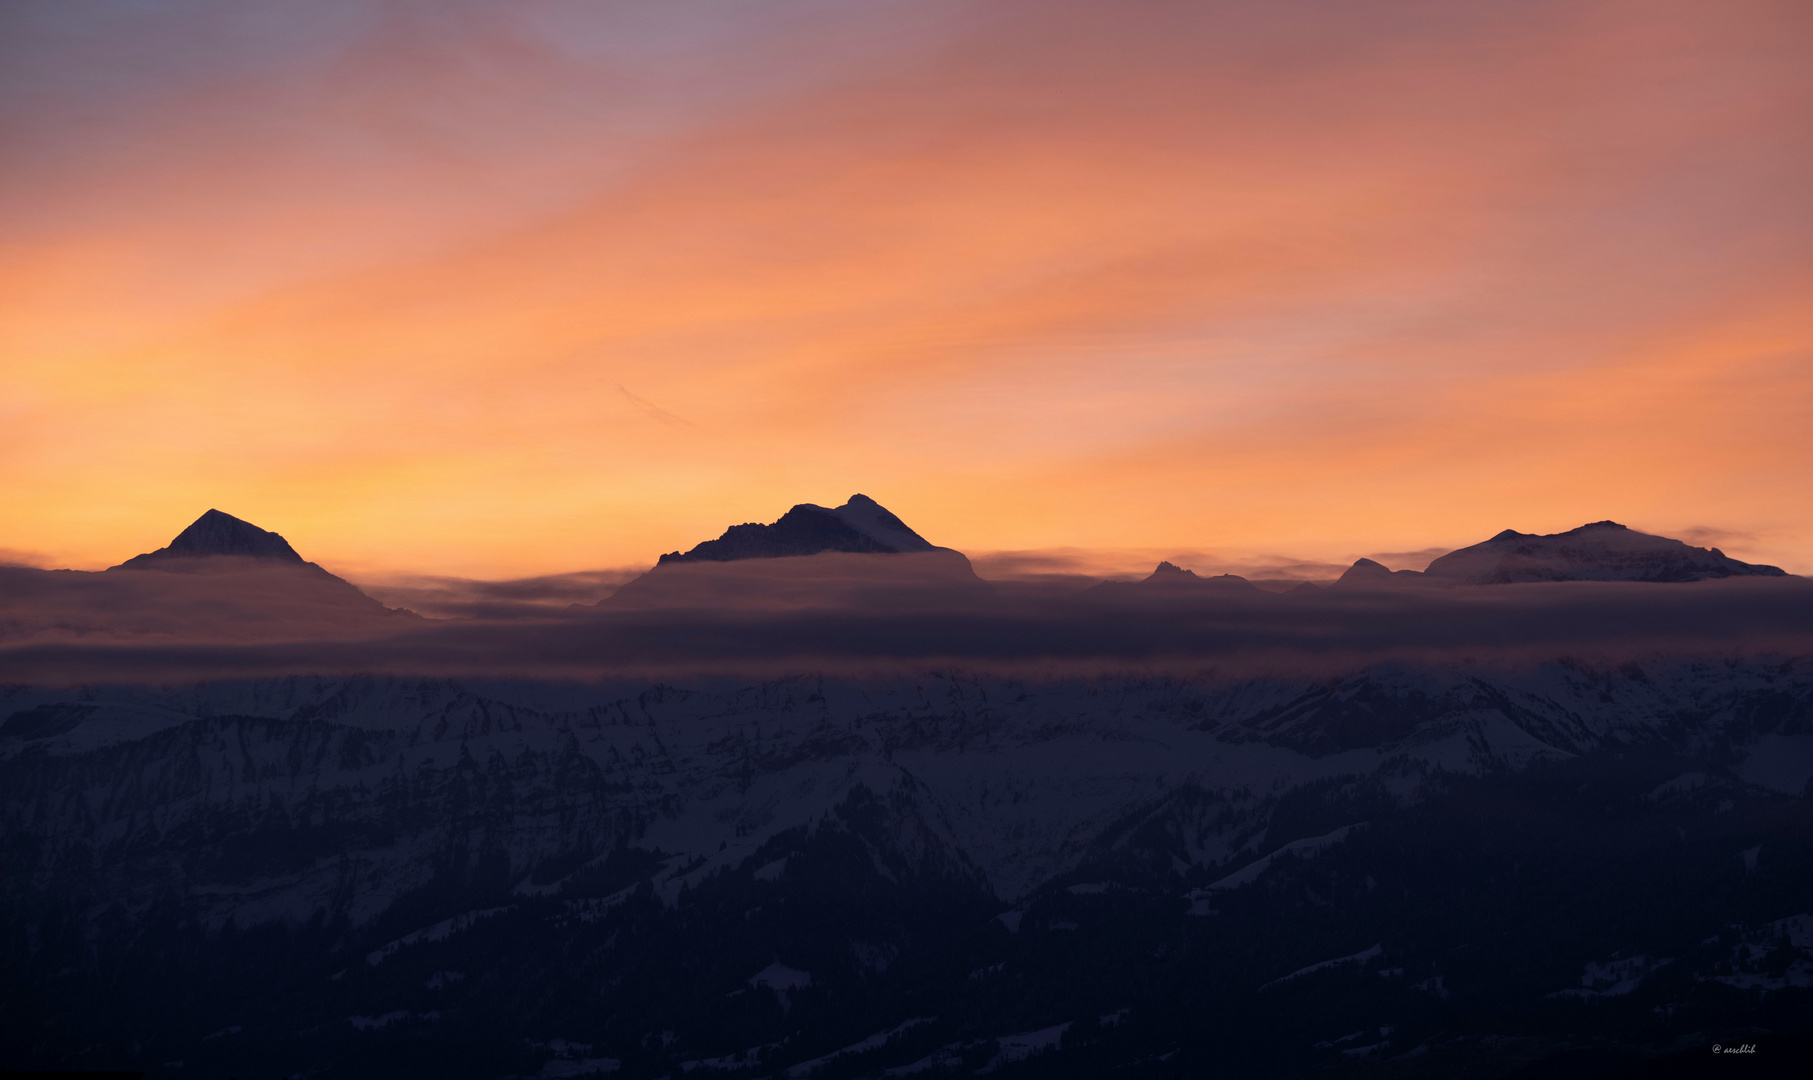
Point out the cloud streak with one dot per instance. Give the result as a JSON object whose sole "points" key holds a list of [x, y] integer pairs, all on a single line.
{"points": [[654, 412], [470, 598], [881, 630]]}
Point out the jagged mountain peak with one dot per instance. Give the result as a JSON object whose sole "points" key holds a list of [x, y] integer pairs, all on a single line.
{"points": [[218, 533], [861, 525], [1169, 580], [1169, 573]]}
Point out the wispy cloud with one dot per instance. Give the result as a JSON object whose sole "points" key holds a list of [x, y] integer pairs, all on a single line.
{"points": [[16, 557], [1709, 536], [652, 410], [1130, 563], [193, 626], [473, 598], [1409, 560]]}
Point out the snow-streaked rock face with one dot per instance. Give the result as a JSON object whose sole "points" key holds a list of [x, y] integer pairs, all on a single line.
{"points": [[383, 825], [876, 522], [1017, 780]]}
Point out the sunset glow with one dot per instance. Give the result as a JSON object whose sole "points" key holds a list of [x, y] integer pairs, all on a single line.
{"points": [[503, 290]]}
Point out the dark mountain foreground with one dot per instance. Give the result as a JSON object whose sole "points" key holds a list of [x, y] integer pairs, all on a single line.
{"points": [[1403, 870]]}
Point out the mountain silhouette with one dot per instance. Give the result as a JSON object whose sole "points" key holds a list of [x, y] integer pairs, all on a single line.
{"points": [[1601, 551], [859, 526], [812, 556], [220, 579], [215, 533], [1172, 581], [1367, 574]]}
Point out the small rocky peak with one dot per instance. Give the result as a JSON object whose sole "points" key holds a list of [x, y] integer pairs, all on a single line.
{"points": [[1369, 572]]}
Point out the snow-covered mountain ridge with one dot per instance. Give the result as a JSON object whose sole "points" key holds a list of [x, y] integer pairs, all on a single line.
{"points": [[1599, 551], [359, 864], [1019, 779]]}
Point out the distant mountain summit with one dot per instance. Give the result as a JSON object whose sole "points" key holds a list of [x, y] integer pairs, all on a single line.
{"points": [[1171, 580], [1601, 551], [220, 580], [215, 533], [1367, 574], [812, 557], [859, 526]]}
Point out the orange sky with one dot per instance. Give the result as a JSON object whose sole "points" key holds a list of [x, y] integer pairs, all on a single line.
{"points": [[502, 289]]}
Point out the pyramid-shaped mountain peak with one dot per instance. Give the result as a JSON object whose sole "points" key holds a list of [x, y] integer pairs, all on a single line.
{"points": [[217, 533]]}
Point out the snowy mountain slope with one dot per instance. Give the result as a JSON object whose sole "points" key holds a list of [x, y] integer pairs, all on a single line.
{"points": [[1601, 551], [653, 848], [1020, 778]]}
